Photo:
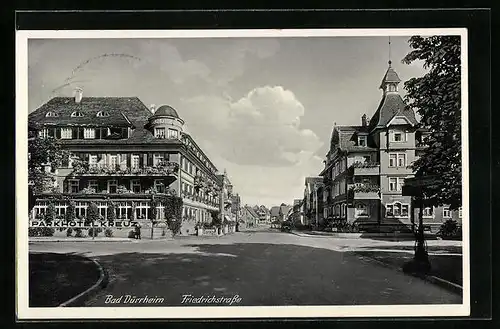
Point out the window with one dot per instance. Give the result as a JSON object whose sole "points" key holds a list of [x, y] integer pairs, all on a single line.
{"points": [[361, 210], [397, 160], [113, 160], [460, 212], [142, 210], [88, 133], [102, 114], [51, 114], [135, 161], [124, 210], [428, 212], [112, 185], [367, 158], [398, 136], [396, 183], [92, 160], [40, 208], [43, 133], [446, 212], [60, 208], [393, 159], [102, 206], [159, 186], [172, 133], [81, 209], [402, 160], [76, 114], [74, 186], [393, 184], [93, 184], [135, 185], [66, 133], [160, 132], [158, 159], [362, 141]]}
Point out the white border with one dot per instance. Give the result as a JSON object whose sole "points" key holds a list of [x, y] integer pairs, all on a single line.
{"points": [[24, 312]]}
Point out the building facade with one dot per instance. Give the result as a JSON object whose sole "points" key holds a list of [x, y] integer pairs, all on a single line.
{"points": [[366, 166], [313, 201], [125, 153]]}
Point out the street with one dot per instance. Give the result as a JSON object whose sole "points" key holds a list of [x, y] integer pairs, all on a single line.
{"points": [[261, 267]]}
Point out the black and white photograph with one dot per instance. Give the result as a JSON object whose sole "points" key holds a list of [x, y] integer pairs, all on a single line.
{"points": [[242, 173]]}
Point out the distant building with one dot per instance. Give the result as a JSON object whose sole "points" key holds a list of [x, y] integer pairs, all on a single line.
{"points": [[313, 201], [249, 216], [275, 214]]}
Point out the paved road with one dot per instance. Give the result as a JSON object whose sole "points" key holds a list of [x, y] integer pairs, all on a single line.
{"points": [[261, 267]]}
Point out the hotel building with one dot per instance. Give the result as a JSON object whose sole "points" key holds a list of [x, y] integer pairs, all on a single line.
{"points": [[126, 153]]}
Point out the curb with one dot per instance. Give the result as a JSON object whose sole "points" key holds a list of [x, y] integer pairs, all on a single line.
{"points": [[450, 286], [79, 299]]}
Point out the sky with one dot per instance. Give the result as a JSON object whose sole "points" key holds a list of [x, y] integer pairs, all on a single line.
{"points": [[261, 108]]}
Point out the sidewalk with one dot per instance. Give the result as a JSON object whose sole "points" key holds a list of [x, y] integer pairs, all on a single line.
{"points": [[86, 239]]}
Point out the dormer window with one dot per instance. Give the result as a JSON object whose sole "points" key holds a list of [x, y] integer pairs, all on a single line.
{"points": [[101, 114], [362, 141], [51, 115], [76, 114]]}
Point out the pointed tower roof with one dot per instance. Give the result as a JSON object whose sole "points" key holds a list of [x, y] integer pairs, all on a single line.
{"points": [[390, 77], [392, 103]]}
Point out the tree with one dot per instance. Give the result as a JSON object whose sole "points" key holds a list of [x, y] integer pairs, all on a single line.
{"points": [[42, 152], [92, 213], [436, 98], [50, 214], [111, 212], [71, 212]]}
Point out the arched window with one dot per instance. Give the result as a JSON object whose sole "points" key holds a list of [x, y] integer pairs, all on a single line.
{"points": [[102, 114], [51, 114], [76, 114]]}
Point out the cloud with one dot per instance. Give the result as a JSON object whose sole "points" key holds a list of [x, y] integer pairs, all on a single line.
{"points": [[261, 128]]}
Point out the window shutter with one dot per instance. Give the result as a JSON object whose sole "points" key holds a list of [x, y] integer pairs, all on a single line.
{"points": [[141, 160], [129, 160], [150, 159], [58, 133]]}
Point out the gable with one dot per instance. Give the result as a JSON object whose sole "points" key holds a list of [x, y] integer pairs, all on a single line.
{"points": [[399, 120]]}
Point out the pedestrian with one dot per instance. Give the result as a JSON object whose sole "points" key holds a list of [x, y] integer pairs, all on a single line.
{"points": [[138, 231]]}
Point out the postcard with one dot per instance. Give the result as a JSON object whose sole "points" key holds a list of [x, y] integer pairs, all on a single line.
{"points": [[204, 174]]}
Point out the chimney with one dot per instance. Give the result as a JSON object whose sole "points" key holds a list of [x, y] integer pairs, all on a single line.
{"points": [[152, 108], [364, 120], [78, 95]]}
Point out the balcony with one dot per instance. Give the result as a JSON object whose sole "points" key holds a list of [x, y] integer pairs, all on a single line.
{"points": [[363, 192], [162, 169], [365, 168]]}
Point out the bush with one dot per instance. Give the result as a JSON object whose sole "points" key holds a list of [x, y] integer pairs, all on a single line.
{"points": [[450, 230], [41, 231], [69, 231], [108, 232], [78, 233], [345, 227], [175, 226], [94, 231], [131, 234]]}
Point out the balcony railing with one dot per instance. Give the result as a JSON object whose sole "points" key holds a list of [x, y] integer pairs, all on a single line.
{"points": [[162, 169], [365, 168], [363, 191]]}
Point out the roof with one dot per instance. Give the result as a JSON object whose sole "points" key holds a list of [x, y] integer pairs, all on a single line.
{"points": [[285, 209], [314, 180], [251, 211], [392, 104], [275, 211], [121, 111], [390, 76], [166, 110]]}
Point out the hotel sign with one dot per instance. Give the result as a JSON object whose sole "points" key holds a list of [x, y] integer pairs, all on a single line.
{"points": [[82, 224]]}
